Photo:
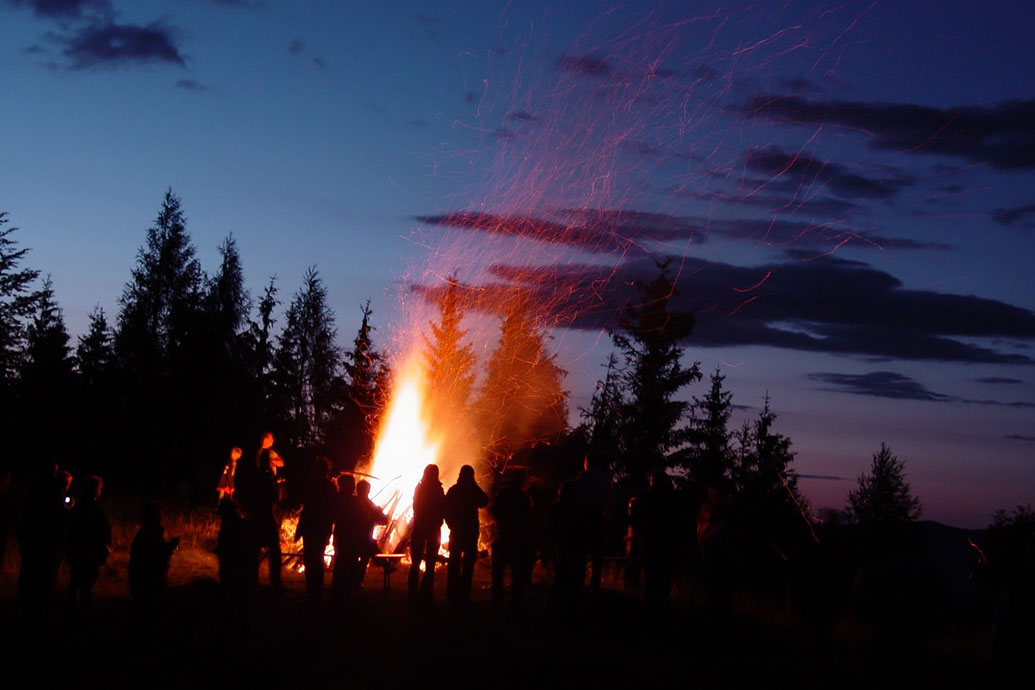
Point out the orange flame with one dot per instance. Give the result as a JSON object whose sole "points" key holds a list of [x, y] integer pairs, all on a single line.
{"points": [[405, 445]]}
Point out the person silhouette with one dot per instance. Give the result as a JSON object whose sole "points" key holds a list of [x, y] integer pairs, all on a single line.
{"points": [[149, 558], [315, 526], [569, 552], [596, 501], [347, 526], [426, 536], [40, 535], [258, 493], [89, 542], [225, 486], [511, 510], [658, 529], [238, 551], [462, 503], [369, 515]]}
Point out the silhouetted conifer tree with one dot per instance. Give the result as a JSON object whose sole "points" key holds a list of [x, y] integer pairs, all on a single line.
{"points": [[160, 305], [367, 378], [46, 381], [650, 338], [882, 496], [306, 364], [521, 400], [95, 353], [766, 496], [98, 400], [47, 366], [449, 364], [449, 361], [711, 454], [227, 302], [603, 419], [258, 342], [159, 343], [17, 301]]}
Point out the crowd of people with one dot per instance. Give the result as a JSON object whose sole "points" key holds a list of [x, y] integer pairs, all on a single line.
{"points": [[62, 520]]}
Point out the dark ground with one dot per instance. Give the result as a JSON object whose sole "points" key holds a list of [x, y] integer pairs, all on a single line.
{"points": [[380, 641]]}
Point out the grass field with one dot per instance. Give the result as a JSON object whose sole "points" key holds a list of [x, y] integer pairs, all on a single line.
{"points": [[378, 640]]}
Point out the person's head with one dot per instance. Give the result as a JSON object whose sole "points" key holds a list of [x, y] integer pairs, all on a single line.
{"points": [[267, 440], [91, 487], [346, 484], [150, 515], [430, 473], [660, 480], [466, 475], [321, 468], [235, 453], [514, 477], [567, 494], [363, 488], [227, 509]]}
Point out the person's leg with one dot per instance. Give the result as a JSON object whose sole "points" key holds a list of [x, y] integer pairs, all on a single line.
{"points": [[416, 555], [454, 574], [470, 558], [430, 560], [274, 556]]}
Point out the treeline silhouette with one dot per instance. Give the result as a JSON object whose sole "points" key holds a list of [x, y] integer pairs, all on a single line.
{"points": [[154, 398]]}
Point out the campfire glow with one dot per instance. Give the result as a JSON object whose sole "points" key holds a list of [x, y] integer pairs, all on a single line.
{"points": [[405, 445]]}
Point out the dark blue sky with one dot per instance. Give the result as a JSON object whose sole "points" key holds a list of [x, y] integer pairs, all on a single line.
{"points": [[845, 191]]}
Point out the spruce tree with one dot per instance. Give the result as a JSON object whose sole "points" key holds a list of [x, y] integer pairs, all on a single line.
{"points": [[882, 496], [306, 364], [95, 354], [160, 305], [521, 400], [650, 339], [711, 455], [367, 378], [46, 385], [766, 494], [17, 302], [603, 418], [449, 366]]}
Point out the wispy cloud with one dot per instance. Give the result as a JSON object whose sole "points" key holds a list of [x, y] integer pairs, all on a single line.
{"points": [[888, 384], [1001, 135], [65, 9], [806, 170], [1009, 216], [122, 44], [590, 65], [190, 85], [826, 305]]}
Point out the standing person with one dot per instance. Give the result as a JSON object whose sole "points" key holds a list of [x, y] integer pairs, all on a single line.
{"points": [[369, 515], [239, 552], [429, 505], [41, 534], [569, 555], [225, 487], [8, 514], [315, 526], [149, 558], [346, 539], [462, 503], [658, 530], [89, 542], [511, 510], [258, 494], [596, 500]]}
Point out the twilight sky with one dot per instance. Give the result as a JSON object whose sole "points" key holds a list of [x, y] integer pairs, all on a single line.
{"points": [[844, 192]]}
